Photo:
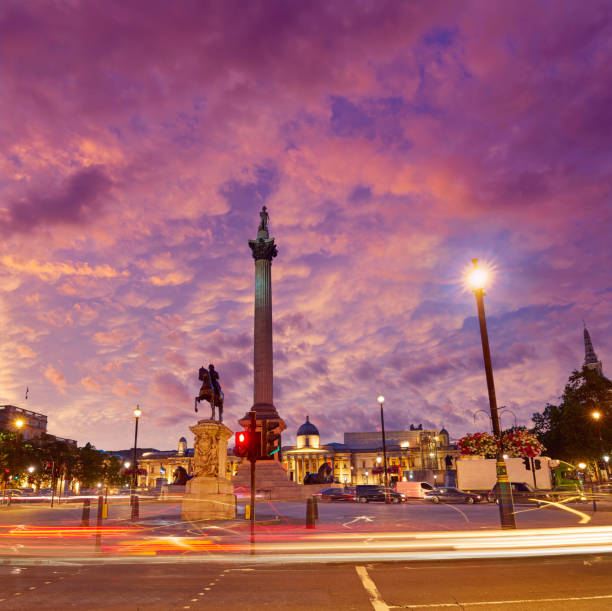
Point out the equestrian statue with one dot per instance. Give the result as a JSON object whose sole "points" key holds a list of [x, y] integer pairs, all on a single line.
{"points": [[210, 391]]}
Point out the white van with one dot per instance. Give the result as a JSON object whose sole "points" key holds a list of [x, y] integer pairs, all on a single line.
{"points": [[414, 490]]}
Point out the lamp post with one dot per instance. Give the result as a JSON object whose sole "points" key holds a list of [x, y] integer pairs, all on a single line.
{"points": [[381, 401], [477, 279], [137, 413], [597, 417]]}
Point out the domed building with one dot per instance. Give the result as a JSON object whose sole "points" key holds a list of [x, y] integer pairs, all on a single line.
{"points": [[308, 435], [414, 454]]}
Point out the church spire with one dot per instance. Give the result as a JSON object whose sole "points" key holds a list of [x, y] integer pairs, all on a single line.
{"points": [[590, 358]]}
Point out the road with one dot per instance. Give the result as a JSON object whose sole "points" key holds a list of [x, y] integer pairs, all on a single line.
{"points": [[563, 583], [358, 557]]}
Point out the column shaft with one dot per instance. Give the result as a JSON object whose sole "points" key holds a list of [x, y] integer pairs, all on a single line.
{"points": [[262, 355]]}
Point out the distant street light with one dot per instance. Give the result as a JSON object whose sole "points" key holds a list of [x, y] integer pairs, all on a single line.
{"points": [[137, 414], [381, 401], [597, 417], [31, 469], [477, 279], [19, 423], [582, 465]]}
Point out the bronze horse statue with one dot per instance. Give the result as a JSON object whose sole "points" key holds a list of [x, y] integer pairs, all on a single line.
{"points": [[210, 391]]}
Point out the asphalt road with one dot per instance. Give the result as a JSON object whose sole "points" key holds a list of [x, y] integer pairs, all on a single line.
{"points": [[574, 583], [48, 561]]}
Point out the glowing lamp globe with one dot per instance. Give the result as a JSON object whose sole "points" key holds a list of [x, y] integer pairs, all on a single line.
{"points": [[477, 278]]}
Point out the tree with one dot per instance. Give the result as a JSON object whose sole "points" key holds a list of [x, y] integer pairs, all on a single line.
{"points": [[113, 473], [16, 454], [569, 430], [89, 469]]}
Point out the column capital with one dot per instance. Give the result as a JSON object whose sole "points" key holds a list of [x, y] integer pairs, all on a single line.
{"points": [[263, 248]]}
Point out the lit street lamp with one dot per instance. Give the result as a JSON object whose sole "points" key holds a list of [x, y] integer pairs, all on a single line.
{"points": [[19, 424], [137, 413], [597, 417], [477, 280], [381, 401]]}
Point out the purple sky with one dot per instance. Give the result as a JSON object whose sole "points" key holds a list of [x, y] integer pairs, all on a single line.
{"points": [[391, 141]]}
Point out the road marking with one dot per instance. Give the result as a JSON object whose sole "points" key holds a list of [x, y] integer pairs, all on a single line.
{"points": [[502, 602], [584, 518], [370, 587]]}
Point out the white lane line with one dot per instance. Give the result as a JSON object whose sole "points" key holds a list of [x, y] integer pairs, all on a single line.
{"points": [[503, 602], [370, 587]]}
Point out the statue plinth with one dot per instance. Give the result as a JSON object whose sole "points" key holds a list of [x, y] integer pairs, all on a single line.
{"points": [[209, 495]]}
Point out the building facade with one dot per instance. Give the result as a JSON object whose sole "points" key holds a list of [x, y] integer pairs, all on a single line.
{"points": [[29, 424], [359, 460]]}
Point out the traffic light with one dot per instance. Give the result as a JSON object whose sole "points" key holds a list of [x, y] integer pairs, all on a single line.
{"points": [[270, 433], [6, 475], [243, 443], [537, 464], [527, 463]]}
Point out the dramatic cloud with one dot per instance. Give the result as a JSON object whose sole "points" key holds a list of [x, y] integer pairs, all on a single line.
{"points": [[392, 142]]}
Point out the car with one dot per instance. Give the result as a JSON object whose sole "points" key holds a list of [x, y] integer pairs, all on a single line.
{"points": [[336, 494], [452, 495], [522, 494], [366, 493]]}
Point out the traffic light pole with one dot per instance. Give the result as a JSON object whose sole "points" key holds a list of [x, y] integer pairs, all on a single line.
{"points": [[253, 459]]}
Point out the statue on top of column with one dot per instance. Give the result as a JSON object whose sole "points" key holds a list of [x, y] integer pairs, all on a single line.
{"points": [[265, 217]]}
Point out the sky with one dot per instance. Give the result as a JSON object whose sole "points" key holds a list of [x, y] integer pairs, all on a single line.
{"points": [[392, 142]]}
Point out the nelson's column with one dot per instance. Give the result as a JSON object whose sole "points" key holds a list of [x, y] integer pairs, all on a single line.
{"points": [[270, 474], [264, 250]]}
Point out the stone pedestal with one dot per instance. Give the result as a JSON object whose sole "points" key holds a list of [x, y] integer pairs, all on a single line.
{"points": [[209, 495], [271, 482]]}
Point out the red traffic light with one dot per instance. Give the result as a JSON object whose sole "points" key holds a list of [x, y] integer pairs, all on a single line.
{"points": [[242, 443]]}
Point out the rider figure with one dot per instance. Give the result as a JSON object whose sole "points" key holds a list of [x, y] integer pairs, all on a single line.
{"points": [[214, 379]]}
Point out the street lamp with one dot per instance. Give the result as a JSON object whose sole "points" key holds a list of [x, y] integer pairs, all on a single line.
{"points": [[381, 401], [477, 279], [137, 414], [597, 417], [31, 469], [19, 423]]}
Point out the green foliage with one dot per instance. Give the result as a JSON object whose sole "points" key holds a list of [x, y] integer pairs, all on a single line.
{"points": [[15, 453], [568, 430], [90, 466], [53, 458]]}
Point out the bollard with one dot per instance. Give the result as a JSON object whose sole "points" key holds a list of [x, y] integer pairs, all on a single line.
{"points": [[247, 512], [99, 524], [310, 523], [315, 505], [100, 506], [85, 514], [135, 508]]}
